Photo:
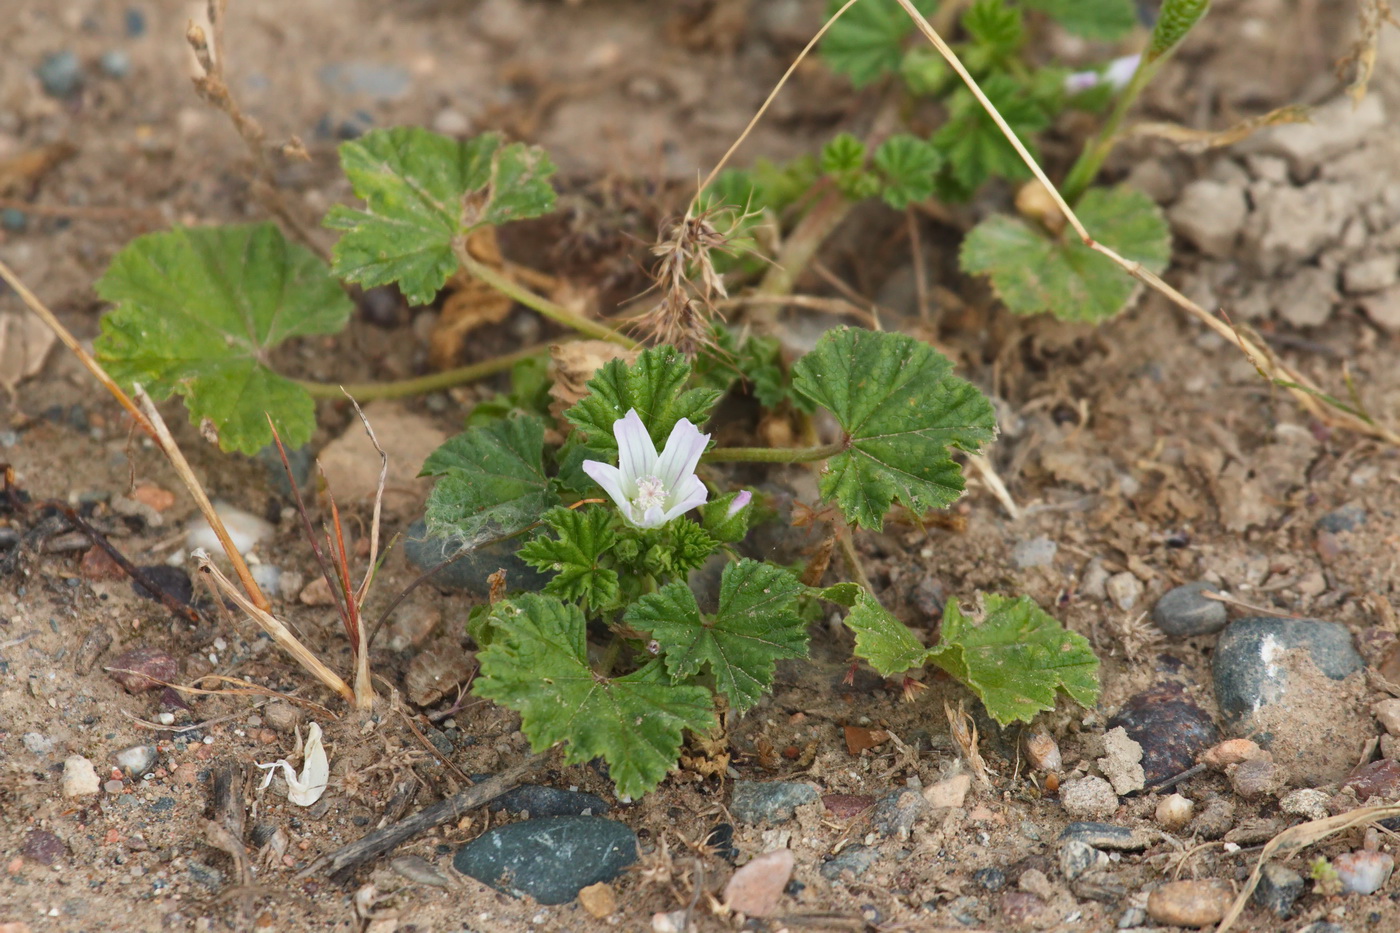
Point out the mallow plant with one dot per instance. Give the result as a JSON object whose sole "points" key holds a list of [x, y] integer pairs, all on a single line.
{"points": [[623, 503]]}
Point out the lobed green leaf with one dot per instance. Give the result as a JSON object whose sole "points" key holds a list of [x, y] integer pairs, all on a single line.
{"points": [[867, 42], [198, 313], [1093, 19], [1016, 658], [901, 409], [491, 481], [906, 166], [654, 385], [883, 641], [1031, 272], [422, 191], [755, 626], [537, 664], [578, 557], [973, 146]]}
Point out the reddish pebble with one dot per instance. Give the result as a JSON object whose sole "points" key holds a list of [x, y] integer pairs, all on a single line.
{"points": [[756, 889], [157, 498], [1377, 779], [43, 847], [204, 753], [792, 752], [858, 738], [845, 806], [1233, 752], [113, 837], [143, 668], [97, 564]]}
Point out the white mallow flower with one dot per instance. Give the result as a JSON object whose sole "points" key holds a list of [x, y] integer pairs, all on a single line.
{"points": [[650, 489], [1116, 73]]}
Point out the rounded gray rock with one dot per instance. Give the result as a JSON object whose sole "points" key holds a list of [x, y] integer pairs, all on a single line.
{"points": [[549, 859], [769, 801], [1186, 610]]}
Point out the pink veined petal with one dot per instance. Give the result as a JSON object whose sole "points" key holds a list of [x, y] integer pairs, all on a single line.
{"points": [[610, 478], [691, 494], [682, 453], [636, 454], [740, 501]]}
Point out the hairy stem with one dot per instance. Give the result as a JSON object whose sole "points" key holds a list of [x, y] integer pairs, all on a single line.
{"points": [[1086, 167], [536, 302], [773, 454], [422, 385]]}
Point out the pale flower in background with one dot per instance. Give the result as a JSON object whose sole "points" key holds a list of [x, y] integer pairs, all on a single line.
{"points": [[741, 500], [1117, 73], [649, 488]]}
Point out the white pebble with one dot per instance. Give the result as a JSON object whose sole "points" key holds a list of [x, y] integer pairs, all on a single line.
{"points": [[79, 777], [244, 528], [1175, 811]]}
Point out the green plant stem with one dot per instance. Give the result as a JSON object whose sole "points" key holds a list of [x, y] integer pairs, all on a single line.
{"points": [[550, 309], [422, 385], [773, 454], [799, 248], [1086, 167]]}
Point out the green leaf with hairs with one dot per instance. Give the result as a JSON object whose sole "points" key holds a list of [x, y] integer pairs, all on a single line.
{"points": [[421, 192], [654, 385], [1016, 658], [537, 664], [901, 409], [1093, 19], [756, 625], [867, 42], [882, 641], [578, 557], [198, 313], [1033, 272], [491, 481]]}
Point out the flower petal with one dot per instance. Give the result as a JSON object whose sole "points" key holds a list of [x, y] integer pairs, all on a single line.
{"points": [[691, 494], [636, 454], [682, 453], [738, 503], [653, 517], [610, 478]]}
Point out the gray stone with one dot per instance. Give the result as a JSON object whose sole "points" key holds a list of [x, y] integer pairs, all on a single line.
{"points": [[1185, 610], [895, 814], [1371, 275], [1124, 590], [1210, 214], [1347, 518], [470, 571], [1088, 797], [1077, 859], [1035, 552], [115, 64], [769, 801], [549, 859], [1384, 308], [855, 859], [1293, 225], [1267, 684], [1106, 836], [60, 74], [540, 801], [37, 743], [1279, 886]]}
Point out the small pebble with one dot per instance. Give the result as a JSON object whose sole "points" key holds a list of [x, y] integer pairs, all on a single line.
{"points": [[769, 801], [1121, 763], [115, 63], [134, 22], [60, 73], [949, 792], [79, 777], [1036, 552], [990, 879], [1042, 751], [244, 529], [1107, 836], [1076, 859], [1338, 521], [1233, 752], [599, 900], [855, 859], [1363, 872], [136, 760], [1186, 611], [756, 890], [1256, 779], [1308, 802], [114, 787], [1375, 779], [1124, 590], [1279, 887], [1170, 728], [1190, 903], [537, 801], [1387, 713], [1215, 820], [37, 743], [549, 859], [673, 922], [1088, 798], [895, 814], [1174, 812], [43, 847], [16, 221], [419, 870]]}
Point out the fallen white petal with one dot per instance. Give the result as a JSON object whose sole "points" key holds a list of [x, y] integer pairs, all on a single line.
{"points": [[315, 771]]}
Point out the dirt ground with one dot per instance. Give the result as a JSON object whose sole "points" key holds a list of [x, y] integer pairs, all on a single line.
{"points": [[1145, 447]]}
